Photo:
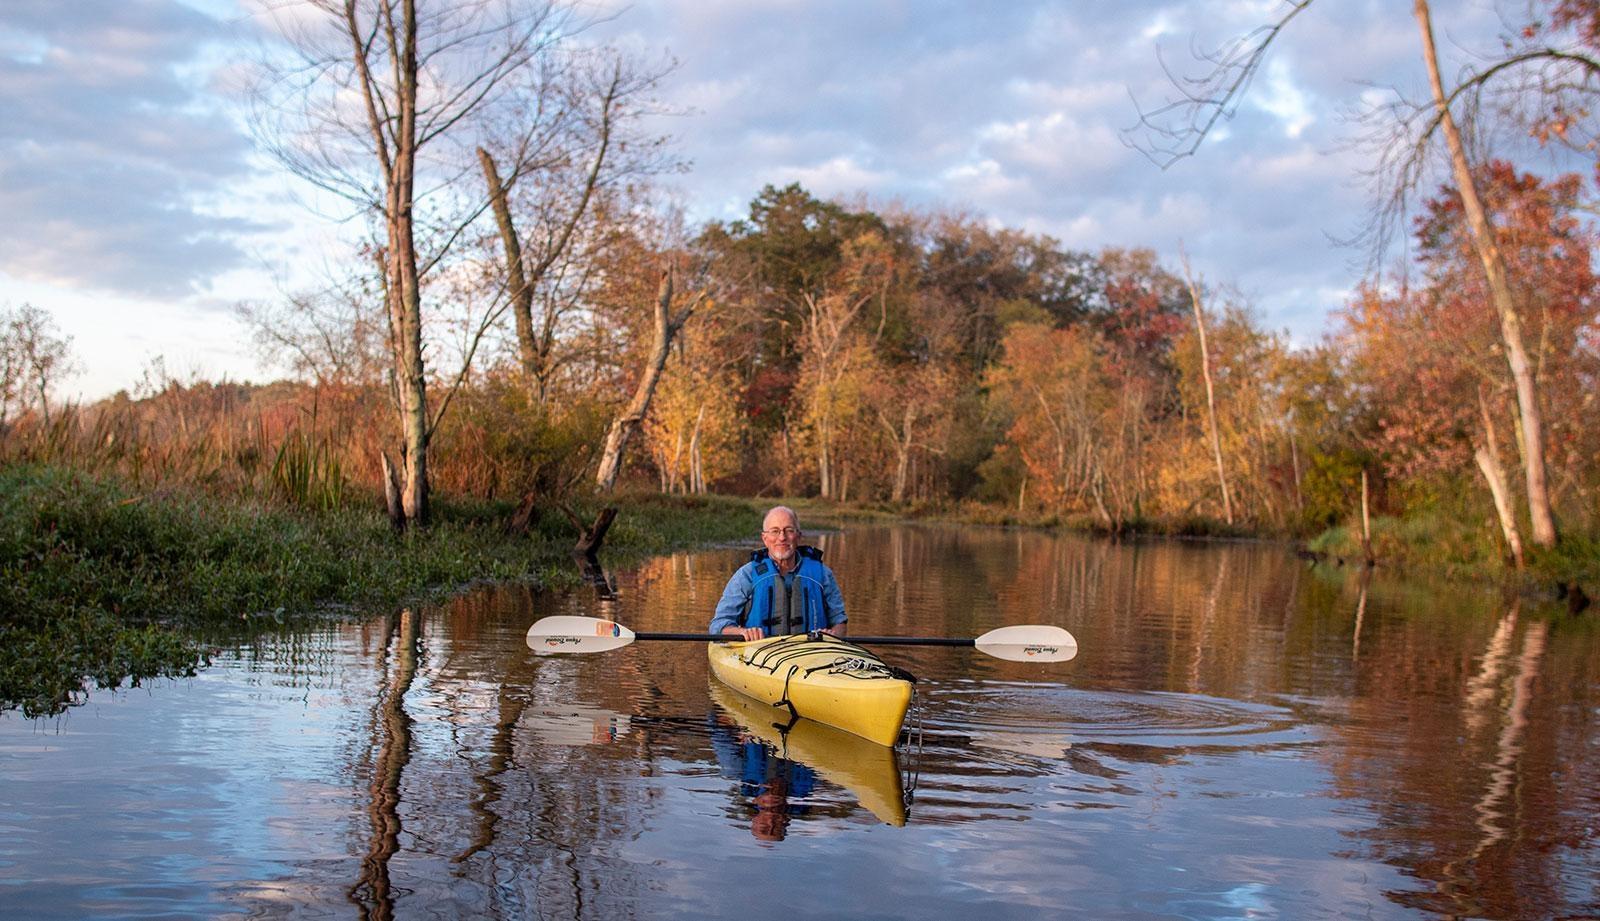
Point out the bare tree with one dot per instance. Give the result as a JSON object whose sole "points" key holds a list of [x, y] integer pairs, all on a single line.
{"points": [[334, 335], [375, 98], [1175, 129], [33, 360], [1211, 401], [580, 146], [1494, 268]]}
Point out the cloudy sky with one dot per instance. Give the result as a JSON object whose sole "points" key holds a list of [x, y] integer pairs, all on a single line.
{"points": [[137, 209]]}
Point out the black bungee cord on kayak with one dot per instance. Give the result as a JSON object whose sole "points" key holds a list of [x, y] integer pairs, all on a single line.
{"points": [[863, 666]]}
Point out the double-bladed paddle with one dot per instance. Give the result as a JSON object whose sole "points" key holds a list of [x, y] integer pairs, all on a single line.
{"points": [[570, 633]]}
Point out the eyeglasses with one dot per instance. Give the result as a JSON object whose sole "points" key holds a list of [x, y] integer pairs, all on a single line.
{"points": [[781, 532]]}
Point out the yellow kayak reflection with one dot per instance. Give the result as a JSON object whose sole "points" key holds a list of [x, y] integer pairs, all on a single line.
{"points": [[869, 771]]}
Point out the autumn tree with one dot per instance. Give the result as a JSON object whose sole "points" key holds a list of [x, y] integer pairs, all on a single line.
{"points": [[1435, 352], [698, 429], [837, 345], [671, 311], [1141, 310], [1051, 381], [694, 431], [918, 379], [1492, 258], [911, 404], [797, 274], [1244, 419], [990, 273], [1428, 356]]}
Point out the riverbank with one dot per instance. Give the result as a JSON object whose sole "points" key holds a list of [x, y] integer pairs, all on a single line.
{"points": [[1459, 548], [1448, 543], [101, 584], [994, 516]]}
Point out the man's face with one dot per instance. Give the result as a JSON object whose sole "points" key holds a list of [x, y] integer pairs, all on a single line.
{"points": [[780, 545]]}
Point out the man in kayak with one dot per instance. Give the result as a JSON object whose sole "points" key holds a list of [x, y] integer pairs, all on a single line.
{"points": [[784, 588]]}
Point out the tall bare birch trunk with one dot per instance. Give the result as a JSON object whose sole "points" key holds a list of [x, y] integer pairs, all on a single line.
{"points": [[405, 283], [395, 141], [1488, 457], [1211, 400], [697, 477], [1494, 268]]}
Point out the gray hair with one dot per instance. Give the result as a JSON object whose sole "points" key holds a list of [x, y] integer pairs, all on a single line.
{"points": [[781, 508]]}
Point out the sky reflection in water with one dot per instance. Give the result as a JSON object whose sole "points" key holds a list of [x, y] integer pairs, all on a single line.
{"points": [[1239, 737]]}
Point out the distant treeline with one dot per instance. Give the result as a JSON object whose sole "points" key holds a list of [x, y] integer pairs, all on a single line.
{"points": [[923, 359]]}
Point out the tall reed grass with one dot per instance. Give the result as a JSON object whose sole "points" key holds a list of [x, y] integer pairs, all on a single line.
{"points": [[307, 474], [312, 447]]}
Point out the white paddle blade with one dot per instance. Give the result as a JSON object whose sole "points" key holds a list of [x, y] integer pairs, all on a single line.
{"points": [[568, 633], [1028, 643]]}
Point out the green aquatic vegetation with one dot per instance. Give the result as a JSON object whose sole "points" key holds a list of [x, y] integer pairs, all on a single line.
{"points": [[100, 584]]}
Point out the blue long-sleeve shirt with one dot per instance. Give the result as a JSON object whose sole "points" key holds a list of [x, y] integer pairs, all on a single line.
{"points": [[736, 597]]}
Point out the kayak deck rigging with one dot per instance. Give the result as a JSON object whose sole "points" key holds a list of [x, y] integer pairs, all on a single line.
{"points": [[820, 677]]}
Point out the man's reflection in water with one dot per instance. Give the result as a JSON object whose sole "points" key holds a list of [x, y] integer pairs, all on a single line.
{"points": [[765, 778]]}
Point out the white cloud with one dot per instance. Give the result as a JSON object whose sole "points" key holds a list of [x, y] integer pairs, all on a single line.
{"points": [[1055, 146], [108, 152], [1280, 97], [1098, 96], [838, 176], [1159, 27], [982, 180]]}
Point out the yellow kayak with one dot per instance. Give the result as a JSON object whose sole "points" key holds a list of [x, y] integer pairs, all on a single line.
{"points": [[867, 770], [826, 679]]}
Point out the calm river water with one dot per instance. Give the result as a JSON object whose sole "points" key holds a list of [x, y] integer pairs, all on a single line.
{"points": [[1240, 737]]}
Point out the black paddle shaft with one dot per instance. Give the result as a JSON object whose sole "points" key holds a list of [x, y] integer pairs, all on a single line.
{"points": [[868, 640]]}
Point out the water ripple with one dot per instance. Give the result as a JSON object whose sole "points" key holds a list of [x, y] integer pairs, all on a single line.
{"points": [[1005, 732]]}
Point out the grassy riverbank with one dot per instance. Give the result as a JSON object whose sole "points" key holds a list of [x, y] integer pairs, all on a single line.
{"points": [[102, 582], [1464, 549], [1442, 541], [987, 515]]}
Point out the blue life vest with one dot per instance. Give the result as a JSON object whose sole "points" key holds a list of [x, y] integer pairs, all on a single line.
{"points": [[803, 594]]}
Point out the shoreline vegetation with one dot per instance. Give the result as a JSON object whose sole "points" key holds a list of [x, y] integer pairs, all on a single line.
{"points": [[102, 583], [105, 584], [1438, 541]]}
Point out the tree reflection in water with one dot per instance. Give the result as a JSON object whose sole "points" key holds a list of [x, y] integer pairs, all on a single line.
{"points": [[391, 741]]}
